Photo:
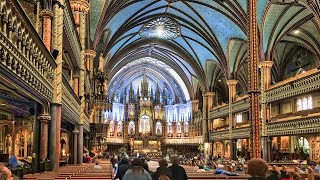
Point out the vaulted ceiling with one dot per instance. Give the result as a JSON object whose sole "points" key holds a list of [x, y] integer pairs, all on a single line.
{"points": [[212, 40]]}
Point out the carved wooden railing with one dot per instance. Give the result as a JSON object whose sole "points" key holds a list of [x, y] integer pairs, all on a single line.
{"points": [[300, 125], [242, 132], [184, 140], [22, 52], [303, 83], [71, 33], [241, 104], [219, 135], [219, 112]]}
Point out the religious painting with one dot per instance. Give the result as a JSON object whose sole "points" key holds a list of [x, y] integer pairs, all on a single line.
{"points": [[186, 127], [285, 145], [120, 125], [111, 126]]}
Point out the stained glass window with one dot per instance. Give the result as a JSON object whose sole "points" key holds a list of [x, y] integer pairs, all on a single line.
{"points": [[161, 27], [304, 103], [239, 118]]}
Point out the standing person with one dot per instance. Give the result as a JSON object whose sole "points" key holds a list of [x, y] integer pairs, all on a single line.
{"points": [[162, 172], [258, 169], [136, 172], [145, 164], [124, 165], [178, 172]]}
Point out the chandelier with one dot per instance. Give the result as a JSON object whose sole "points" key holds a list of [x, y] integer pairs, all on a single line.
{"points": [[161, 27]]}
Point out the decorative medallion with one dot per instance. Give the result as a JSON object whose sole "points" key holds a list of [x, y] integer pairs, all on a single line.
{"points": [[161, 27]]}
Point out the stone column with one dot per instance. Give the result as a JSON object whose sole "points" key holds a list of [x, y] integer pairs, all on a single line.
{"points": [[265, 68], [46, 21], [80, 144], [44, 120], [87, 142], [75, 146], [232, 86], [253, 78], [76, 84]]}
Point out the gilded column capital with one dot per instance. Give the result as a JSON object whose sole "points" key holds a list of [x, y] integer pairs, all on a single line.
{"points": [[90, 53], [231, 82], [75, 76], [44, 117], [265, 64], [80, 6], [46, 13], [207, 94], [195, 101]]}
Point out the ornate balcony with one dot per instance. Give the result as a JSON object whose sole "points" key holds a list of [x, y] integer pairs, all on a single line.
{"points": [[70, 103], [301, 84], [22, 52]]}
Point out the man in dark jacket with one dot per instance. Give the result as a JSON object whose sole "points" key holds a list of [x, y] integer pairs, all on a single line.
{"points": [[124, 165], [178, 171], [162, 171]]}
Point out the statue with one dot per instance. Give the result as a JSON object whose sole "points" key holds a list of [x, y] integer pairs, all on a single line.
{"points": [[8, 143]]}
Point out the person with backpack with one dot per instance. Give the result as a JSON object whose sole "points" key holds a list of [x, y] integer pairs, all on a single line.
{"points": [[162, 172], [178, 172]]}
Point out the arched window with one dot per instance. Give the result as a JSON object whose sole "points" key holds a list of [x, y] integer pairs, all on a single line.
{"points": [[158, 128], [186, 127], [112, 126], [131, 128], [179, 128], [144, 124], [169, 128], [239, 118]]}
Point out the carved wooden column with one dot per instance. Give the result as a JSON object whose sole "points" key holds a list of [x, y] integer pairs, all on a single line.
{"points": [[89, 55], [38, 21], [253, 79], [232, 85], [57, 37], [207, 106], [44, 120], [46, 21], [265, 68]]}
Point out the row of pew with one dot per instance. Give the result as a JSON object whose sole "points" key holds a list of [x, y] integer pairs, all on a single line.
{"points": [[77, 172]]}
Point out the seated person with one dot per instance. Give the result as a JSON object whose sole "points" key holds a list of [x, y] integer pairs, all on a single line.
{"points": [[97, 166], [284, 175], [13, 162], [317, 168], [220, 170]]}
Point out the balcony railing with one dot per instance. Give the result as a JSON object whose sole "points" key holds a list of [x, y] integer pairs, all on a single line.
{"points": [[71, 33], [301, 84], [70, 102], [185, 140], [22, 51]]}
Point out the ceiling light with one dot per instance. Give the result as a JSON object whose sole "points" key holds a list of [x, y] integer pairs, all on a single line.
{"points": [[219, 80], [296, 32]]}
